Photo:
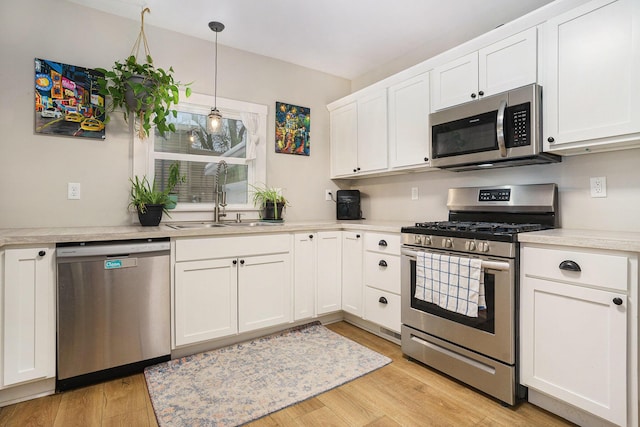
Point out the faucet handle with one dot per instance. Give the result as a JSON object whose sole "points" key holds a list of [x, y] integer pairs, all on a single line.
{"points": [[223, 198]]}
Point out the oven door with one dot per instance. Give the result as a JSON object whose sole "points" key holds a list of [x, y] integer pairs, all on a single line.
{"points": [[492, 333]]}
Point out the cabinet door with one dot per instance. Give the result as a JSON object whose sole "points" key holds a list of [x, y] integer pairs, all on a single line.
{"points": [[344, 140], [205, 300], [573, 346], [455, 82], [592, 85], [304, 279], [372, 132], [352, 283], [508, 64], [329, 268], [264, 291], [29, 315], [409, 128]]}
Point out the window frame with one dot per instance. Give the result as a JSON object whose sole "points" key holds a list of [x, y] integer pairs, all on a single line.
{"points": [[144, 154]]}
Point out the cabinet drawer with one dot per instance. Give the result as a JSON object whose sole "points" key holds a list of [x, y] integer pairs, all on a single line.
{"points": [[381, 277], [387, 315], [598, 269], [376, 242], [191, 249]]}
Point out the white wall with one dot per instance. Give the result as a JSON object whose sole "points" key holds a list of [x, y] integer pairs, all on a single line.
{"points": [[36, 168], [389, 198]]}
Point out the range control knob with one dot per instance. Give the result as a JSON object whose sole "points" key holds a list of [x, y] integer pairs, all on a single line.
{"points": [[447, 243], [470, 245], [483, 246], [426, 240], [417, 239]]}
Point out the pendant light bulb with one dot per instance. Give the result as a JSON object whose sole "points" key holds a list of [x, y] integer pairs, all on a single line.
{"points": [[214, 121]]}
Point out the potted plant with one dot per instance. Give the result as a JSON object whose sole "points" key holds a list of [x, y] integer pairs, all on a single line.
{"points": [[148, 202], [270, 201], [142, 90], [173, 180]]}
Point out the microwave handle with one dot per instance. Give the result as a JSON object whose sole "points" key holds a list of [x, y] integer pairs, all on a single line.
{"points": [[500, 129]]}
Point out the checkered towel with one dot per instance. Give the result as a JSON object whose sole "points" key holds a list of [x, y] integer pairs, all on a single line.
{"points": [[453, 283]]}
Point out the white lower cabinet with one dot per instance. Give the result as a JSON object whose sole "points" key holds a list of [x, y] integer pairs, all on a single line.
{"points": [[329, 272], [575, 330], [382, 279], [28, 314], [304, 275], [229, 285], [352, 290]]}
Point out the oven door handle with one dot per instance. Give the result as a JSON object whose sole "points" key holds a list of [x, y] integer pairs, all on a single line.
{"points": [[487, 265]]}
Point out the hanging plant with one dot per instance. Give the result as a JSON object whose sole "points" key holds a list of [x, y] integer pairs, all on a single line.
{"points": [[142, 90]]}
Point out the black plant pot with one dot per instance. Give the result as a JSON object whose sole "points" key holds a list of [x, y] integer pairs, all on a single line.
{"points": [[151, 216], [132, 98], [272, 212]]}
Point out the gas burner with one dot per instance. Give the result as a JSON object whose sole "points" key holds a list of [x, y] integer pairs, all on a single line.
{"points": [[478, 227]]}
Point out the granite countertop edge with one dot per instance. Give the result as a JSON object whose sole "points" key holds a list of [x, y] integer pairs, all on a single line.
{"points": [[52, 235], [584, 238]]}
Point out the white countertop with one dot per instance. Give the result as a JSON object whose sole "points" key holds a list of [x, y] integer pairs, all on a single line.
{"points": [[596, 239], [48, 235]]}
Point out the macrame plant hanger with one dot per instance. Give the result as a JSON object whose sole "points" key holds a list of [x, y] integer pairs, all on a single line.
{"points": [[142, 37]]}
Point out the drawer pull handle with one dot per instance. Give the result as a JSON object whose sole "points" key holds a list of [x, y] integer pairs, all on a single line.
{"points": [[382, 263], [42, 253], [617, 301], [382, 243], [569, 266], [383, 300]]}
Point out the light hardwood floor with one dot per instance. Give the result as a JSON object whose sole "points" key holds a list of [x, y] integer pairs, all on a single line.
{"points": [[403, 393]]}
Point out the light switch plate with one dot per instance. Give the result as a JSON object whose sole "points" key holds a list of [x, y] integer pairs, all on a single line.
{"points": [[73, 191], [414, 193]]}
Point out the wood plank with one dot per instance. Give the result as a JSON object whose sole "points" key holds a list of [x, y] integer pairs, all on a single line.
{"points": [[81, 407], [37, 412], [124, 395]]}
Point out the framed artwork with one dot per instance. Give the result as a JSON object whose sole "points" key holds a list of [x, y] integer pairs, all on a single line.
{"points": [[67, 101], [293, 125]]}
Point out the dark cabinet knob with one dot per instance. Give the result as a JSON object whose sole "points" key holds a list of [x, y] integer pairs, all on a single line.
{"points": [[473, 95], [550, 139], [382, 263], [241, 261], [383, 300], [569, 265], [235, 261], [311, 236], [617, 301], [42, 253], [358, 168], [481, 93], [382, 243], [354, 170], [426, 159], [357, 236]]}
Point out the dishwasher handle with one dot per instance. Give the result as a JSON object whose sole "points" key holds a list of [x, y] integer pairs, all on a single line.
{"points": [[115, 248]]}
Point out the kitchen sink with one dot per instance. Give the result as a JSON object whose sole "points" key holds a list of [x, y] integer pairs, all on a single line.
{"points": [[196, 225]]}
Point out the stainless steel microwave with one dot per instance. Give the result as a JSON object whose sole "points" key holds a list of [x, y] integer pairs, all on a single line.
{"points": [[497, 131]]}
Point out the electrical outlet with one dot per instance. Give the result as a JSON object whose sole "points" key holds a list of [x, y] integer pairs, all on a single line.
{"points": [[414, 193], [598, 186], [73, 191], [327, 195]]}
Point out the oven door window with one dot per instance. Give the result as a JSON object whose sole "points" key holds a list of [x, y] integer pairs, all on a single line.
{"points": [[486, 318], [470, 135]]}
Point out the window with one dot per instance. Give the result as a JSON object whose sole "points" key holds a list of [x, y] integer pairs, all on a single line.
{"points": [[200, 155]]}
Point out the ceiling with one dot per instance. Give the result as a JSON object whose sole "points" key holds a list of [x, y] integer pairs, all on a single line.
{"points": [[346, 38]]}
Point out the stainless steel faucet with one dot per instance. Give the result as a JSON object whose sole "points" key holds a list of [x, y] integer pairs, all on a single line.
{"points": [[220, 194]]}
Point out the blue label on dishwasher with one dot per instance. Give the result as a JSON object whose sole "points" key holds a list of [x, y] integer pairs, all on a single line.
{"points": [[112, 263]]}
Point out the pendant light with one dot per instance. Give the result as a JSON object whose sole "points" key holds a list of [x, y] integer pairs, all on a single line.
{"points": [[214, 119]]}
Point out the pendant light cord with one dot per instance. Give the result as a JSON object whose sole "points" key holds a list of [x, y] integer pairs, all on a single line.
{"points": [[215, 77]]}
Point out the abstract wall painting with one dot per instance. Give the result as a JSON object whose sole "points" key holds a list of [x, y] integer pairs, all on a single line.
{"points": [[293, 129], [67, 101]]}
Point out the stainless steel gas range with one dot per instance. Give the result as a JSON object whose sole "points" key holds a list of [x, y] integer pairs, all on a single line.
{"points": [[460, 284]]}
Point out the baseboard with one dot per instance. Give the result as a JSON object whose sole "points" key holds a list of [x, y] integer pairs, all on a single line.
{"points": [[566, 411], [28, 391], [374, 328]]}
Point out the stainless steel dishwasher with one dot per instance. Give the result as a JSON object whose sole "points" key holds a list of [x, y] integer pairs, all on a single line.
{"points": [[113, 308]]}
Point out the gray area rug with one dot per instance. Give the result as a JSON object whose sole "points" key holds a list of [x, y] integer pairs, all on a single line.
{"points": [[240, 383]]}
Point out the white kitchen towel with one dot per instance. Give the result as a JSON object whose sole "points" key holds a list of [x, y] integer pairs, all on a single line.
{"points": [[453, 283]]}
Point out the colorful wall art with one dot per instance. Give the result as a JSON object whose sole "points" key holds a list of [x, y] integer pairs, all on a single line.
{"points": [[67, 103], [293, 124]]}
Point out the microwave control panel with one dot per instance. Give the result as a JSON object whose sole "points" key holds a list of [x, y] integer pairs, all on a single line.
{"points": [[518, 125]]}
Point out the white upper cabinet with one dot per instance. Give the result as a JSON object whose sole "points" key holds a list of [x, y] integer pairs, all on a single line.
{"points": [[409, 122], [501, 66], [344, 139], [592, 79]]}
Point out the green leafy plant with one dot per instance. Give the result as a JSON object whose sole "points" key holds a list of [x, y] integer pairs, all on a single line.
{"points": [[265, 196], [144, 193], [144, 91], [175, 177]]}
